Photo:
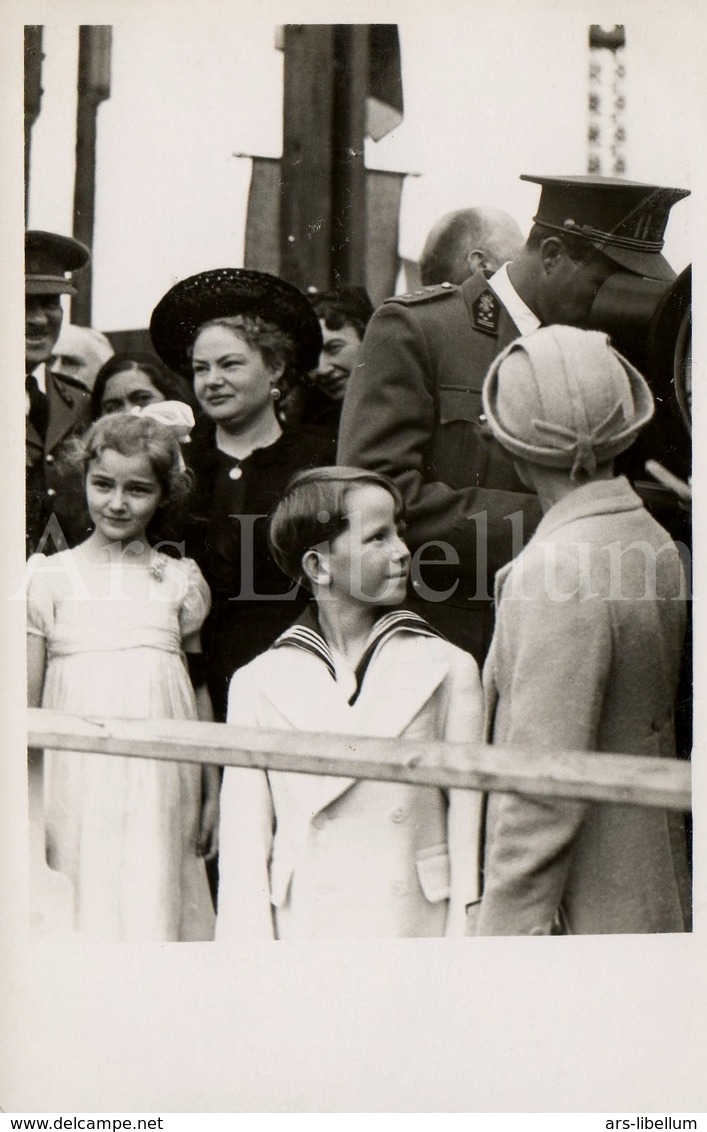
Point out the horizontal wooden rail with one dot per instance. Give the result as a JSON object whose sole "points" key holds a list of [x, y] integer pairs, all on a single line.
{"points": [[595, 777]]}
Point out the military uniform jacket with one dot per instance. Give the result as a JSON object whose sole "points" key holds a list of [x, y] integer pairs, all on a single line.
{"points": [[413, 411], [585, 657], [51, 488]]}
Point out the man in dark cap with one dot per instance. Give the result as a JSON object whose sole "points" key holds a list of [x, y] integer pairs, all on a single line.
{"points": [[413, 407], [54, 405]]}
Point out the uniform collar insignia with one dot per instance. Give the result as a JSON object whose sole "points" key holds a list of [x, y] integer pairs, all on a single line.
{"points": [[485, 312]]}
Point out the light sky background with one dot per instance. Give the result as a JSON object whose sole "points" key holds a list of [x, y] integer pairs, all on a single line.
{"points": [[480, 109]]}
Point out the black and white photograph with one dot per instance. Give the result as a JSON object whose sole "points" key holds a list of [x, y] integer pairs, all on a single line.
{"points": [[351, 690]]}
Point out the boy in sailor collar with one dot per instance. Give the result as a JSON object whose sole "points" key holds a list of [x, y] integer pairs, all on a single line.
{"points": [[311, 856]]}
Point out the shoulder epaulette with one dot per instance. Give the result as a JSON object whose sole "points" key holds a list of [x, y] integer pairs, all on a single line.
{"points": [[424, 294]]}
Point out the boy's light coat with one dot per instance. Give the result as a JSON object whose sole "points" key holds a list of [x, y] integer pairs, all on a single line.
{"points": [[330, 857]]}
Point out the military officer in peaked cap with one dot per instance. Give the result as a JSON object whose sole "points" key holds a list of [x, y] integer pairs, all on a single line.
{"points": [[54, 404], [413, 408]]}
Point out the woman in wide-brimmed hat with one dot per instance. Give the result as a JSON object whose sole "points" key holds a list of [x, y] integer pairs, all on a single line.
{"points": [[240, 336]]}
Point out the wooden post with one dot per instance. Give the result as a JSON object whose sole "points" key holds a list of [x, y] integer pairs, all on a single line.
{"points": [[348, 190], [33, 95], [306, 199], [93, 88]]}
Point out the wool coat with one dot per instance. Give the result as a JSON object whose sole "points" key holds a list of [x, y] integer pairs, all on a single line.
{"points": [[320, 856], [413, 411], [585, 656]]}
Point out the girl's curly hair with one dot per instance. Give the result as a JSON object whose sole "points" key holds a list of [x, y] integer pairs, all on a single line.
{"points": [[130, 435]]}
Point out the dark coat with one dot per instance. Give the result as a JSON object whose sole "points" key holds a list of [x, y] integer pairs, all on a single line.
{"points": [[226, 533], [413, 411]]}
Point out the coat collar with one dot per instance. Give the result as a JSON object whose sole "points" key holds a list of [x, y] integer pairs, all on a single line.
{"points": [[601, 497]]}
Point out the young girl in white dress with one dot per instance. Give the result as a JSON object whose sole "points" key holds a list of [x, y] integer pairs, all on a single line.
{"points": [[111, 625]]}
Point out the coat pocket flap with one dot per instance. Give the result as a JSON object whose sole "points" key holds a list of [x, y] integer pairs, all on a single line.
{"points": [[459, 404], [433, 873]]}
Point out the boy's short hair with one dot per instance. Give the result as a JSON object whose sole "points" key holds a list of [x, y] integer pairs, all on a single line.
{"points": [[314, 510]]}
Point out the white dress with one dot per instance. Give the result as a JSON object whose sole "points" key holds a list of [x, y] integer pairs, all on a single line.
{"points": [[122, 829]]}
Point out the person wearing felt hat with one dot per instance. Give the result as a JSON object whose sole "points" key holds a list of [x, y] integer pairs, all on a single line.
{"points": [[239, 335], [55, 404], [585, 656], [413, 408]]}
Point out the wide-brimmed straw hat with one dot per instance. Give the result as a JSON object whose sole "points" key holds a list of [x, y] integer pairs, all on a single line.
{"points": [[225, 292], [564, 398]]}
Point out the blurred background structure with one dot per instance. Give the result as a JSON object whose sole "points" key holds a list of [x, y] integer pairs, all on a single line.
{"points": [[193, 143]]}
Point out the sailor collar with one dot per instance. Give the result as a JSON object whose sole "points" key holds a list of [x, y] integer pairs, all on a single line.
{"points": [[306, 634]]}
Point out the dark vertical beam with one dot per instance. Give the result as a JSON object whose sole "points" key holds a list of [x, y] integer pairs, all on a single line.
{"points": [[351, 67], [33, 94], [306, 202], [93, 88]]}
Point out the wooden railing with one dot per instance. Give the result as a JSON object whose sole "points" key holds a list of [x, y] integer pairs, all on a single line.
{"points": [[589, 776]]}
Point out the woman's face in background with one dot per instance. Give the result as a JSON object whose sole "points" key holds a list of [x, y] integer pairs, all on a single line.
{"points": [[231, 381], [337, 360], [123, 391]]}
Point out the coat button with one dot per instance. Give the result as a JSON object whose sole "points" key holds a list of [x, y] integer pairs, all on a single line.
{"points": [[51, 492], [49, 459], [235, 473], [398, 814]]}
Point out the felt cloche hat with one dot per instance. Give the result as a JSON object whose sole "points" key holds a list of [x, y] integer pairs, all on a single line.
{"points": [[223, 293], [564, 398]]}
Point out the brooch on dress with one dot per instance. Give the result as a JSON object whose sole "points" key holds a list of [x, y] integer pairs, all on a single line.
{"points": [[158, 567]]}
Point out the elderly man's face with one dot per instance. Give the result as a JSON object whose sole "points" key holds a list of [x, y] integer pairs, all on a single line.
{"points": [[43, 315]]}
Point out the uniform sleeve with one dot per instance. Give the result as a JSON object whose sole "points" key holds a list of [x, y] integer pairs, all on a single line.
{"points": [[558, 658], [197, 599], [387, 424], [40, 601], [246, 832]]}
